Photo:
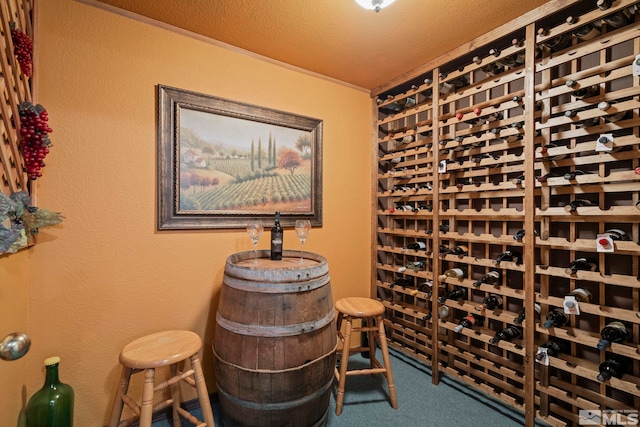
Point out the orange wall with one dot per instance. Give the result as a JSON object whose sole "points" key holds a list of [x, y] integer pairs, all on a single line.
{"points": [[14, 283], [106, 276]]}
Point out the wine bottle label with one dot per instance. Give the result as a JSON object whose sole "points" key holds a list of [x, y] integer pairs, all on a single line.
{"points": [[571, 305], [604, 143], [604, 243], [542, 356], [458, 272]]}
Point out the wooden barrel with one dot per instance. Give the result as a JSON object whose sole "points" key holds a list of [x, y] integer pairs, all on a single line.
{"points": [[275, 340]]}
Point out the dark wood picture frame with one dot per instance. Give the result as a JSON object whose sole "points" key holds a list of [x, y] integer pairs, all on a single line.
{"points": [[222, 163]]}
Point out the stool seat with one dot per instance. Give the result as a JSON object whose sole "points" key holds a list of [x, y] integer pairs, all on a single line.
{"points": [[371, 311], [160, 349], [359, 307], [167, 348]]}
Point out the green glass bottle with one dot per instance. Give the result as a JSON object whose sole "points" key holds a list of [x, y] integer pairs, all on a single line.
{"points": [[52, 405]]}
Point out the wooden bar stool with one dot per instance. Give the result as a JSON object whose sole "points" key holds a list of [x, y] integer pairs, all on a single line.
{"points": [[371, 310], [147, 353]]}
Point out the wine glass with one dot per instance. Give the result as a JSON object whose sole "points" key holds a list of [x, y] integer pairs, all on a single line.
{"points": [[255, 229], [303, 227]]}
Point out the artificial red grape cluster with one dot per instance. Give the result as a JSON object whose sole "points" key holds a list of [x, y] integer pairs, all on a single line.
{"points": [[34, 137], [22, 49]]}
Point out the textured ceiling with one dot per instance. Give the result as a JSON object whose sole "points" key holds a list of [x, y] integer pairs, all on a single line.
{"points": [[336, 38]]}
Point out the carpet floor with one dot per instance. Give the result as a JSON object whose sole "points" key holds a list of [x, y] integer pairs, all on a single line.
{"points": [[420, 403]]}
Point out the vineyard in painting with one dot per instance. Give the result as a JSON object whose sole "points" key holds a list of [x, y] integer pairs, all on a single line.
{"points": [[264, 173]]}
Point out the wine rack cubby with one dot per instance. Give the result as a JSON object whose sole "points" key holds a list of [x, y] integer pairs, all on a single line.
{"points": [[526, 141]]}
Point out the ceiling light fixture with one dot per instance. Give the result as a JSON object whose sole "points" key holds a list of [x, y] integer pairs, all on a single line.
{"points": [[374, 4]]}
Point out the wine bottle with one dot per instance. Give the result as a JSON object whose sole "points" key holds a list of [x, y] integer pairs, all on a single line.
{"points": [[427, 207], [52, 405], [491, 302], [545, 151], [520, 234], [424, 287], [615, 117], [454, 273], [405, 139], [456, 293], [556, 318], [464, 182], [582, 264], [509, 333], [469, 321], [581, 295], [583, 92], [418, 245], [478, 159], [509, 255], [426, 186], [520, 43], [493, 117], [612, 368], [585, 32], [618, 19], [490, 278], [416, 265], [514, 60], [616, 234], [604, 4], [276, 239], [545, 177], [517, 181], [391, 108], [458, 250], [614, 332], [554, 348], [581, 123], [569, 176], [491, 69], [403, 282], [406, 208], [513, 138], [557, 43], [521, 316], [458, 82], [443, 249], [443, 229], [577, 203], [402, 187]]}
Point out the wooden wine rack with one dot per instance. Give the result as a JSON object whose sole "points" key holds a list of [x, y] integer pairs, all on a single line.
{"points": [[487, 181], [15, 88]]}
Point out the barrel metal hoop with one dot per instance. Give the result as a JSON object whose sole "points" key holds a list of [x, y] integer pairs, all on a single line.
{"points": [[274, 331], [276, 406], [276, 288]]}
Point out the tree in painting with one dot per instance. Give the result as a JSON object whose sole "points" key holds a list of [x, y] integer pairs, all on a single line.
{"points": [[289, 160]]}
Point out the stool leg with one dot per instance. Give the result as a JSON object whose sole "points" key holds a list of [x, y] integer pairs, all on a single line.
{"points": [[146, 409], [344, 361], [372, 347], [123, 388], [387, 362], [175, 396], [203, 394]]}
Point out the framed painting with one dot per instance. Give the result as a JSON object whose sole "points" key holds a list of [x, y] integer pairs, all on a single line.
{"points": [[222, 163]]}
